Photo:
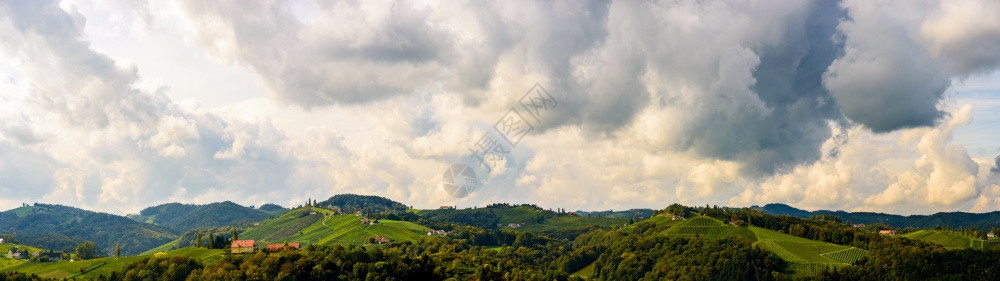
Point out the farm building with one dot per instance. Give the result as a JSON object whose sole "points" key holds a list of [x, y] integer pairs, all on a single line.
{"points": [[381, 240], [858, 225], [14, 253], [278, 247], [437, 232], [887, 232], [243, 246], [1, 240]]}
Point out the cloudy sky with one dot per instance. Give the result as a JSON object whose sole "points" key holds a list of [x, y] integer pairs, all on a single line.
{"points": [[885, 105]]}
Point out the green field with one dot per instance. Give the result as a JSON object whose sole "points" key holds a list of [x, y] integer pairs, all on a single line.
{"points": [[324, 228], [104, 266], [951, 239], [804, 254], [162, 248], [849, 255]]}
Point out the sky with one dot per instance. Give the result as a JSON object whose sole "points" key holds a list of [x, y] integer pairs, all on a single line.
{"points": [[859, 105]]}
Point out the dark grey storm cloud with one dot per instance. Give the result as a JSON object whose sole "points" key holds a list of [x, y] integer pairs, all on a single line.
{"points": [[789, 82], [996, 166], [887, 78]]}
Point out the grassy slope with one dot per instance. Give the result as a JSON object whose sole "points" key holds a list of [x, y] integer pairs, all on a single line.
{"points": [[104, 266], [585, 272], [804, 255], [951, 239], [708, 228], [162, 248], [330, 229]]}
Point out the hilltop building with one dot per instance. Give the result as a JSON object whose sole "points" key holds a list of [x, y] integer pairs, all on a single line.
{"points": [[243, 246], [279, 247]]}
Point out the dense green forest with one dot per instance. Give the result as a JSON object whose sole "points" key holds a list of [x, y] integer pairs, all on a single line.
{"points": [[350, 203], [63, 228], [17, 276], [184, 217]]}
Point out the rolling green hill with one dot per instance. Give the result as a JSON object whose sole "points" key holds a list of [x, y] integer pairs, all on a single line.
{"points": [[272, 209], [805, 255], [325, 228], [63, 228], [183, 217], [533, 218], [709, 228], [350, 203], [90, 269], [951, 239]]}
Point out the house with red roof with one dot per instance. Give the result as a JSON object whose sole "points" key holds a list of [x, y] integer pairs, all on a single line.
{"points": [[243, 246], [279, 247]]}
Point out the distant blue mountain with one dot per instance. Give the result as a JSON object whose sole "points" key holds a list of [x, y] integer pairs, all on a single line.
{"points": [[983, 221]]}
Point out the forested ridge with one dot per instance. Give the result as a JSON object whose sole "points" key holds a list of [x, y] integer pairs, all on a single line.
{"points": [[656, 248]]}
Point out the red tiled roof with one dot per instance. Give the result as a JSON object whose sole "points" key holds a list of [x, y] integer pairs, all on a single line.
{"points": [[242, 244], [278, 247]]}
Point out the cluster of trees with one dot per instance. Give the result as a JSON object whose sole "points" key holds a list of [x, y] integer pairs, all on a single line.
{"points": [[213, 241], [481, 218], [889, 260], [350, 203], [181, 218], [976, 233], [678, 210], [204, 237], [87, 250], [17, 276]]}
